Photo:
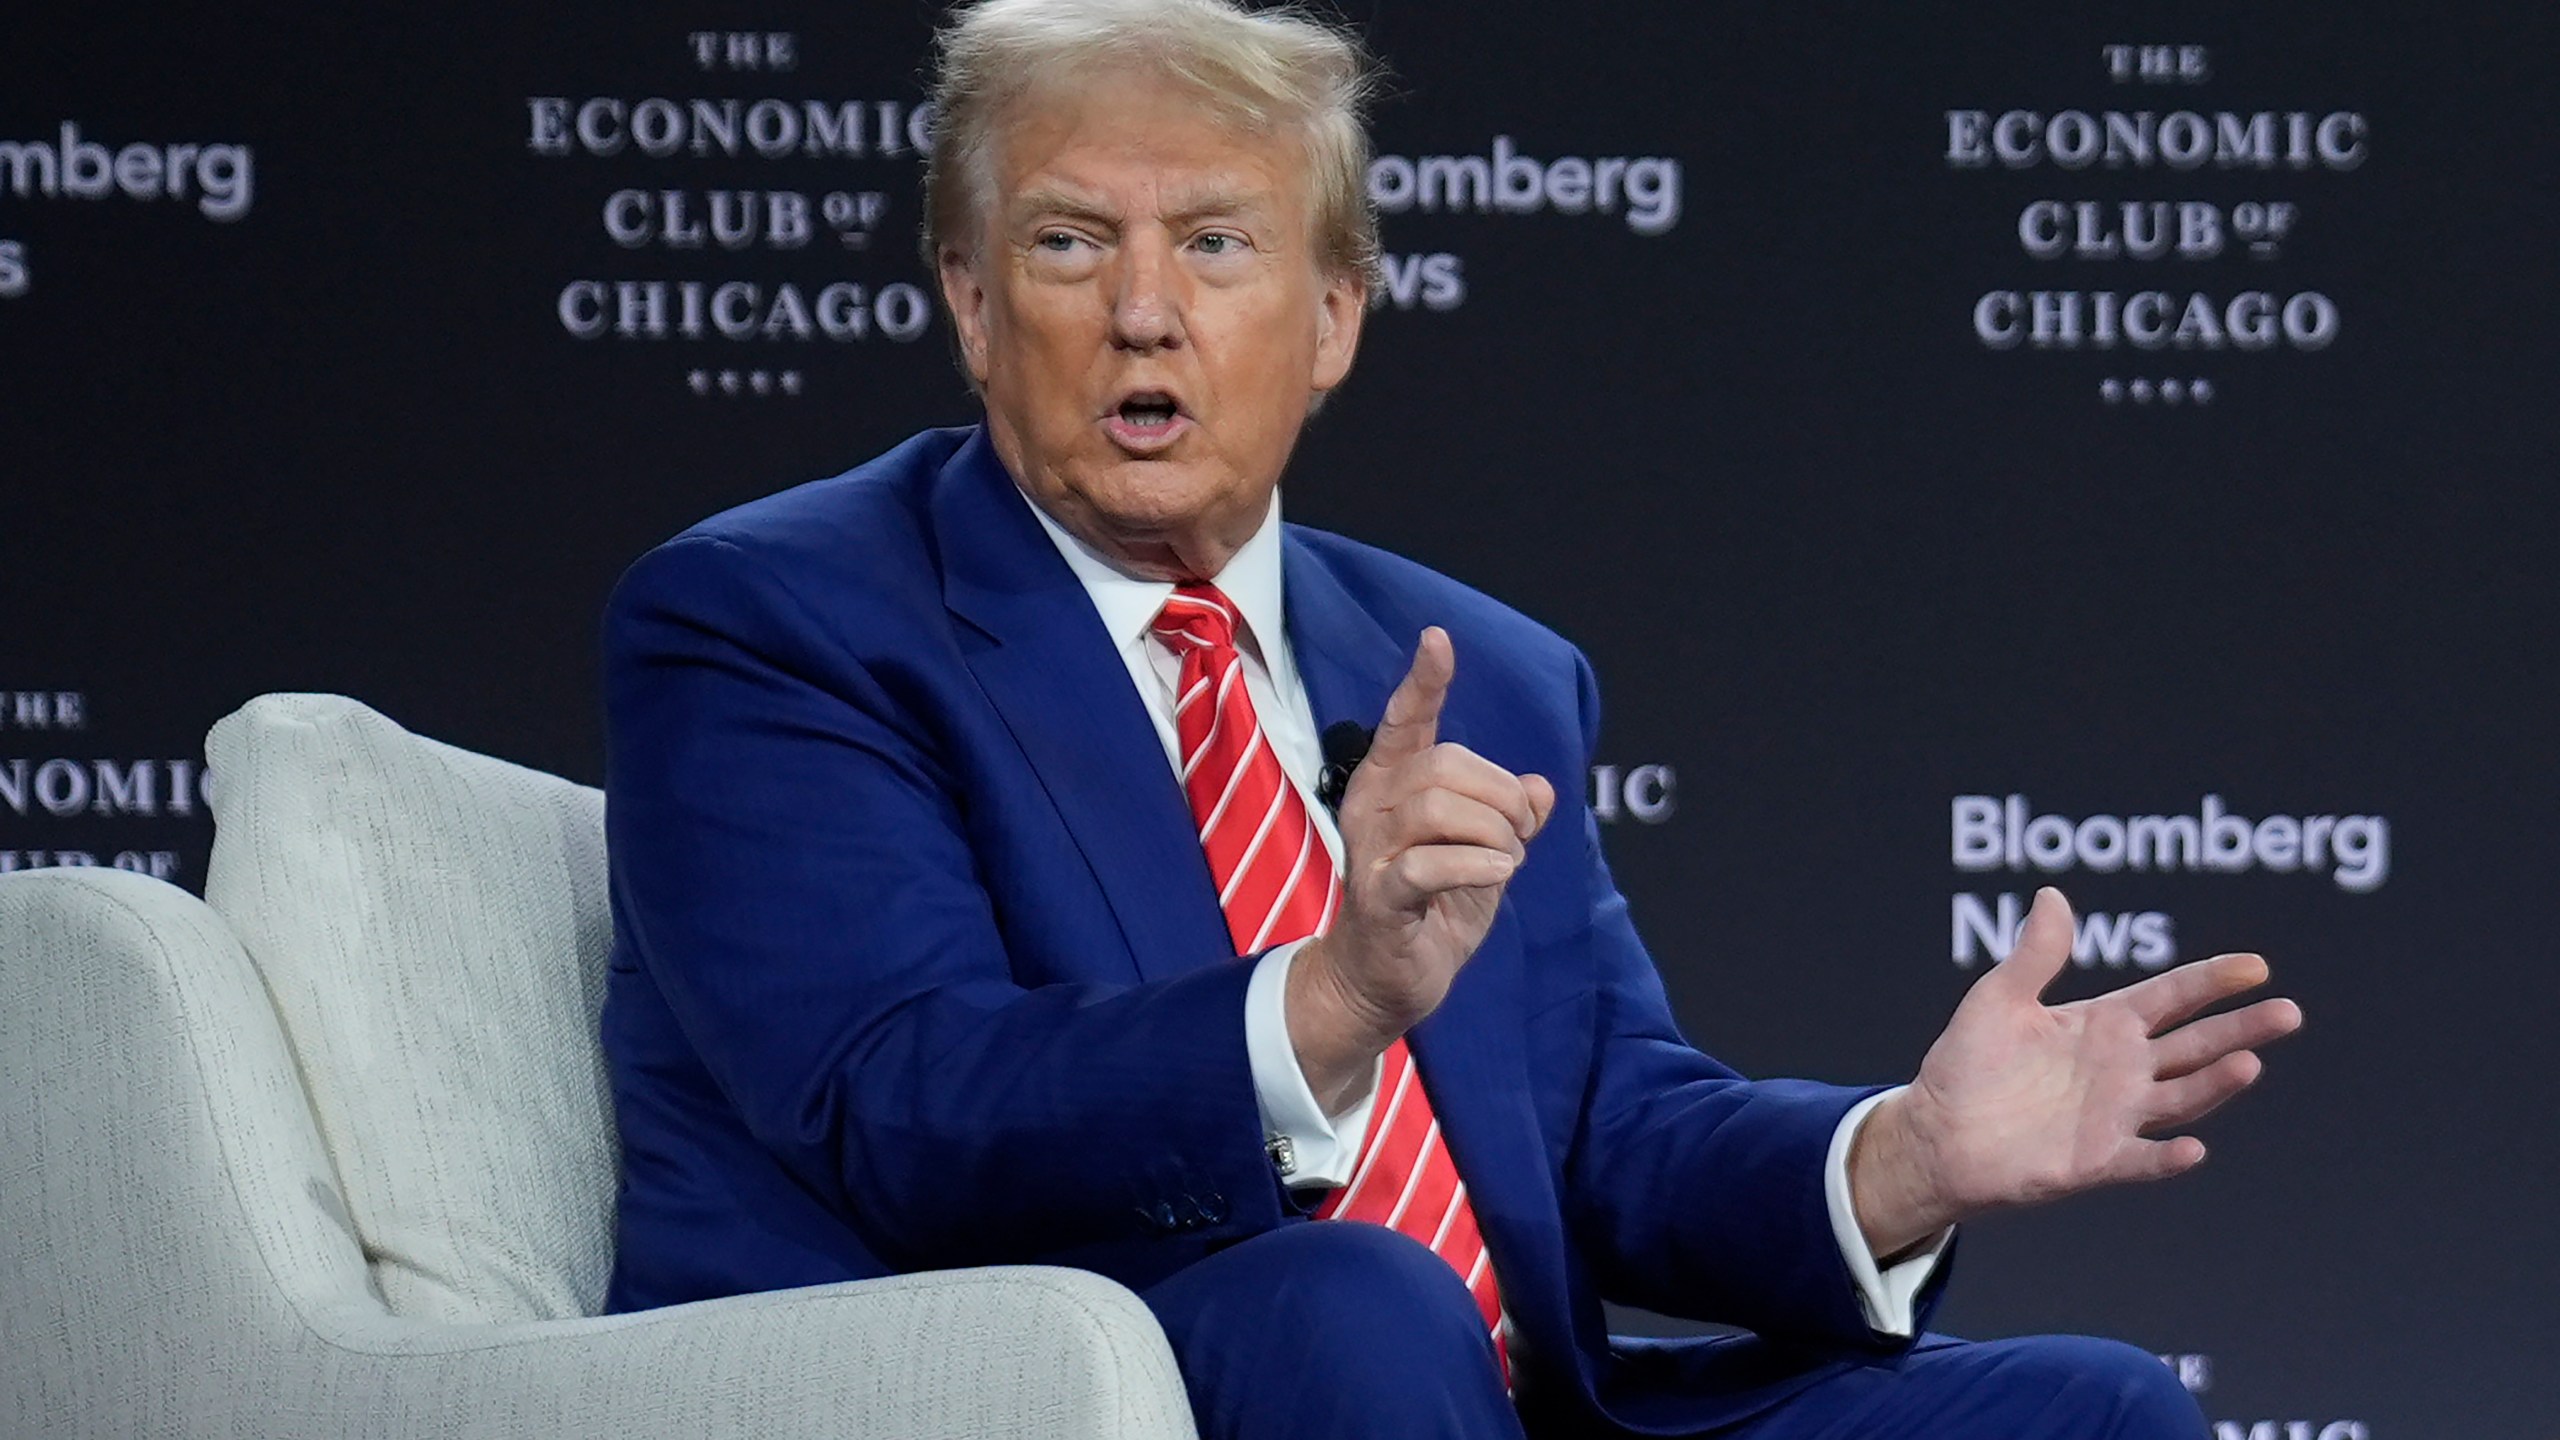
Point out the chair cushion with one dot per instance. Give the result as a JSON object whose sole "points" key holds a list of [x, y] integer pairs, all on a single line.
{"points": [[432, 925]]}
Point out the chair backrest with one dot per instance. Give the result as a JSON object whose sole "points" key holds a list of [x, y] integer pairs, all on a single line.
{"points": [[433, 929]]}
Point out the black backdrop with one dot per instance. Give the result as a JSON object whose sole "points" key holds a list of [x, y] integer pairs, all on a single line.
{"points": [[1841, 559]]}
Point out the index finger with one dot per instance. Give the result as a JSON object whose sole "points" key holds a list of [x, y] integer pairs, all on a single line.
{"points": [[1412, 722]]}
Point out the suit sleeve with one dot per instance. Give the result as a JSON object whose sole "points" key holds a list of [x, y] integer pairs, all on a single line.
{"points": [[1692, 1191], [792, 870]]}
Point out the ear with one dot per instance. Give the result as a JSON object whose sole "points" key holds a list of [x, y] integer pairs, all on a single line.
{"points": [[966, 295], [1339, 311]]}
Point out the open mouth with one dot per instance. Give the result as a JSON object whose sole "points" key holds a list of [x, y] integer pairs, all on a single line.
{"points": [[1145, 420]]}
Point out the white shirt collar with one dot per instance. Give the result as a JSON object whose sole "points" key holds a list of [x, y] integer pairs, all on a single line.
{"points": [[1128, 603]]}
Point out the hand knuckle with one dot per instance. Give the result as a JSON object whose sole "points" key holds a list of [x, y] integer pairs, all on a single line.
{"points": [[1430, 810]]}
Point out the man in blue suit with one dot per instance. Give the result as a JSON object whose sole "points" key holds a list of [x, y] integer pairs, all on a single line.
{"points": [[939, 940]]}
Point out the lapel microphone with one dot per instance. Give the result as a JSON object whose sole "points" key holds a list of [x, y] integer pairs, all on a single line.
{"points": [[1346, 744]]}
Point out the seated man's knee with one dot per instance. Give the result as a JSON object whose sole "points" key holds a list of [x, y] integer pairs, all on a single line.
{"points": [[1330, 1266], [2117, 1390], [1332, 1327], [1362, 1295]]}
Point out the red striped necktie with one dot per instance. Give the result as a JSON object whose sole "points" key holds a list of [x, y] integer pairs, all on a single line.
{"points": [[1277, 883]]}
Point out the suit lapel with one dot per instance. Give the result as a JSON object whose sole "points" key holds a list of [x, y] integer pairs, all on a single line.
{"points": [[1470, 1050], [1346, 659], [1058, 681]]}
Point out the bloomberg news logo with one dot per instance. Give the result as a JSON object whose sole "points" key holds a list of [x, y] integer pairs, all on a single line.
{"points": [[1643, 193], [1996, 833], [218, 179]]}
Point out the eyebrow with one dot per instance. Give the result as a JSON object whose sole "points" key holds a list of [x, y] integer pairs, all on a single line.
{"points": [[1049, 200], [1211, 200]]}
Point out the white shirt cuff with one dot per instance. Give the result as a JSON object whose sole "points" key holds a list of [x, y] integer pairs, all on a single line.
{"points": [[1309, 1146], [1884, 1295]]}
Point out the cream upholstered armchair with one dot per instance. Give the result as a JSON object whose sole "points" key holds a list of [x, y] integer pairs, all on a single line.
{"points": [[330, 1153]]}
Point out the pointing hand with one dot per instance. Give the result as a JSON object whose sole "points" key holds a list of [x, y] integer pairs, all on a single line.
{"points": [[1432, 832]]}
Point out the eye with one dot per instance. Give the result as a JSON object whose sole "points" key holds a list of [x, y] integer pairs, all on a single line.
{"points": [[1056, 242], [1218, 242]]}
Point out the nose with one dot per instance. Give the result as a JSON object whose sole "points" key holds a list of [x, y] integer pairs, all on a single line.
{"points": [[1148, 301]]}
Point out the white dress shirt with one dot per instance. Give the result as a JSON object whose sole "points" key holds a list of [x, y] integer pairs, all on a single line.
{"points": [[1324, 1148]]}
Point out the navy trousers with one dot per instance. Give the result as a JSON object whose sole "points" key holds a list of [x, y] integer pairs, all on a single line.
{"points": [[1334, 1331]]}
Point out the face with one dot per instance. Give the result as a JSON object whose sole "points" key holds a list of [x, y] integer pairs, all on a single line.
{"points": [[1148, 320]]}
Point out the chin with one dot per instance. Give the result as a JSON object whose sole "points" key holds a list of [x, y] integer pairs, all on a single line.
{"points": [[1158, 496]]}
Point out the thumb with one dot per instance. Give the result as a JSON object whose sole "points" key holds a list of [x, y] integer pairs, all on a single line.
{"points": [[2044, 944], [1412, 722]]}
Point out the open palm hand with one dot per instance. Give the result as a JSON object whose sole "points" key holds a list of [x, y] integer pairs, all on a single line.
{"points": [[2019, 1101]]}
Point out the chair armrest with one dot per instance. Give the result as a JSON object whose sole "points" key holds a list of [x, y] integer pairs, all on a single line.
{"points": [[1015, 1351], [175, 1258]]}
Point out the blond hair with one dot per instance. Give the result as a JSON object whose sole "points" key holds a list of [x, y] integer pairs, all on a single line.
{"points": [[1260, 71]]}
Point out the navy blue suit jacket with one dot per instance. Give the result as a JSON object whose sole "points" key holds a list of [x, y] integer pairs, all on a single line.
{"points": [[918, 964]]}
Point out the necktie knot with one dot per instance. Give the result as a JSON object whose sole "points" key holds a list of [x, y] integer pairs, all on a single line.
{"points": [[1197, 617]]}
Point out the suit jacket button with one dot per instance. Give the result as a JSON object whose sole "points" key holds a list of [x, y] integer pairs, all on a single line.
{"points": [[1160, 1215], [1213, 1208]]}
